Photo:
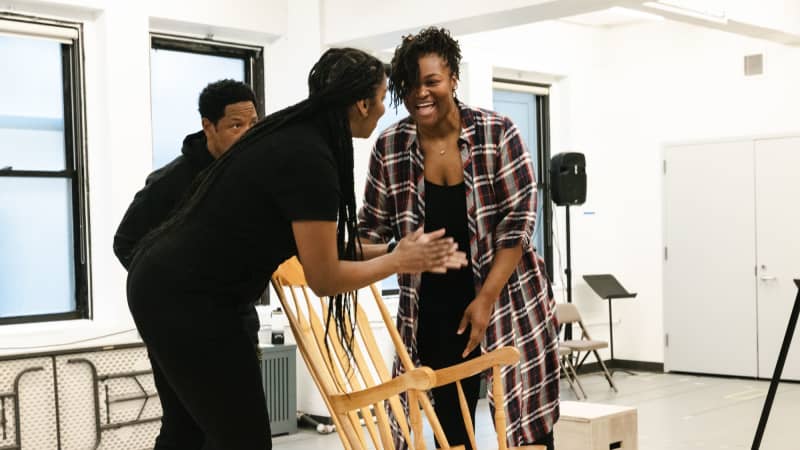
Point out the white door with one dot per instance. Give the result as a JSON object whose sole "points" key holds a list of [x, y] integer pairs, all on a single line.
{"points": [[778, 239], [709, 281]]}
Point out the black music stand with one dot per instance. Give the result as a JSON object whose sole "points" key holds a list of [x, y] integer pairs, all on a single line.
{"points": [[607, 287], [776, 375]]}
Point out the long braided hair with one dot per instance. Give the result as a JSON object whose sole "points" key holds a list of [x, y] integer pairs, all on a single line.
{"points": [[341, 77]]}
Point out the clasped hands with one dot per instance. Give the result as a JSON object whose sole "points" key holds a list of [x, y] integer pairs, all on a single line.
{"points": [[428, 252]]}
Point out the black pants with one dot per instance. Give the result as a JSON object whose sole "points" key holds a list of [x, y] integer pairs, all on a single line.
{"points": [[547, 441], [439, 346], [205, 367], [178, 429]]}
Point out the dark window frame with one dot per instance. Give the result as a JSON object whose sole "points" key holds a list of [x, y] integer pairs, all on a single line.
{"points": [[72, 58], [253, 57]]}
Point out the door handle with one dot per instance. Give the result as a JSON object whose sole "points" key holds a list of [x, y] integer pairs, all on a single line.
{"points": [[768, 278]]}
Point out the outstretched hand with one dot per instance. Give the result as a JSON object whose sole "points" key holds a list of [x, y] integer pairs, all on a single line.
{"points": [[477, 316], [428, 252]]}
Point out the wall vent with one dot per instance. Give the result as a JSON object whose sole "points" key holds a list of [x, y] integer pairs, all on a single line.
{"points": [[753, 65]]}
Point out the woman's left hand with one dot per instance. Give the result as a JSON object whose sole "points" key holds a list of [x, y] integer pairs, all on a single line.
{"points": [[477, 316]]}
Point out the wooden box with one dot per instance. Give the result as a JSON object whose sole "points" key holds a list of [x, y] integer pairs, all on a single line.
{"points": [[593, 426]]}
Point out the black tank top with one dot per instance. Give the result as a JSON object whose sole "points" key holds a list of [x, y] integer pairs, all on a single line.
{"points": [[446, 207]]}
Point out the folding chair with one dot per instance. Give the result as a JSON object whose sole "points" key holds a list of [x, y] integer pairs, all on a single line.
{"points": [[361, 387], [568, 313], [571, 375]]}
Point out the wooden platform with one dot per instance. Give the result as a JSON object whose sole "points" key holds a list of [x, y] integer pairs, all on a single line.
{"points": [[594, 426]]}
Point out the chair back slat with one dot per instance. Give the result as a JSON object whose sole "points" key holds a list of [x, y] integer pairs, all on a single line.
{"points": [[353, 368], [405, 360], [499, 415], [287, 278], [307, 348], [375, 366], [335, 366], [382, 371], [462, 403], [416, 420]]}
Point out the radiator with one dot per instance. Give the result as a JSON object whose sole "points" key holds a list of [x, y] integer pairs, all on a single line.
{"points": [[279, 377]]}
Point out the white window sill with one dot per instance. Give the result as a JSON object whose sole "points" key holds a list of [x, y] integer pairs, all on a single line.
{"points": [[45, 337]]}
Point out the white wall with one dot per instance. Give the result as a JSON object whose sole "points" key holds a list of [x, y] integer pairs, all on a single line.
{"points": [[624, 93]]}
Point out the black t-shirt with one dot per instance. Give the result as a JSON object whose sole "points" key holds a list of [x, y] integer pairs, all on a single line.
{"points": [[241, 231]]}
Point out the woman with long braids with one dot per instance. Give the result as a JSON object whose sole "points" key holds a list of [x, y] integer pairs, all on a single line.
{"points": [[285, 188], [467, 170]]}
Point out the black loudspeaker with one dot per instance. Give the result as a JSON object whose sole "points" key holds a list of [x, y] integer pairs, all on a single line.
{"points": [[568, 179]]}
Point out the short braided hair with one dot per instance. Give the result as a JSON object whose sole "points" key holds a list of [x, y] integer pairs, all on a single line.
{"points": [[404, 75]]}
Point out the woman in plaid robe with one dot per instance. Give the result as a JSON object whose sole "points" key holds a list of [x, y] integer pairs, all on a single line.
{"points": [[446, 145]]}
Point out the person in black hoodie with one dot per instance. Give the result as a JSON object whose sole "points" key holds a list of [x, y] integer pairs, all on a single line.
{"points": [[227, 109]]}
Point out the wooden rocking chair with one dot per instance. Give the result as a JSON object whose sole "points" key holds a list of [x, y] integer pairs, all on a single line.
{"points": [[356, 389]]}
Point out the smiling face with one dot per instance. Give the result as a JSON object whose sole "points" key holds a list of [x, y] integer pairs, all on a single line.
{"points": [[431, 100]]}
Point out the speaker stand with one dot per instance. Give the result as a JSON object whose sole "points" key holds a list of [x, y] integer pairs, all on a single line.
{"points": [[568, 272]]}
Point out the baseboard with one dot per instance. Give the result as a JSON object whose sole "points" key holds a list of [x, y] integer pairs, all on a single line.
{"points": [[625, 364], [734, 377], [644, 366]]}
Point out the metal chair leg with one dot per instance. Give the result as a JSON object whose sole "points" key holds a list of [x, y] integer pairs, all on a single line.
{"points": [[569, 376], [605, 371], [578, 381], [573, 376]]}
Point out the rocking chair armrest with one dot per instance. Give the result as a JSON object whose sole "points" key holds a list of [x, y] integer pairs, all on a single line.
{"points": [[503, 356], [421, 378]]}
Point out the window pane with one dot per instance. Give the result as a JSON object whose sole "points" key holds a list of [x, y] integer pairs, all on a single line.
{"points": [[390, 285], [176, 79], [31, 104], [36, 246]]}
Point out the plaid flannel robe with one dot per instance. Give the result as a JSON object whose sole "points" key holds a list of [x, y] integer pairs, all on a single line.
{"points": [[501, 208]]}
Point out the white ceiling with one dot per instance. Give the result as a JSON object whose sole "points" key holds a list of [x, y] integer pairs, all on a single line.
{"points": [[612, 17]]}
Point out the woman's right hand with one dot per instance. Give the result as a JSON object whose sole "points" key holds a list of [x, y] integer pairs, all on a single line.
{"points": [[428, 252]]}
